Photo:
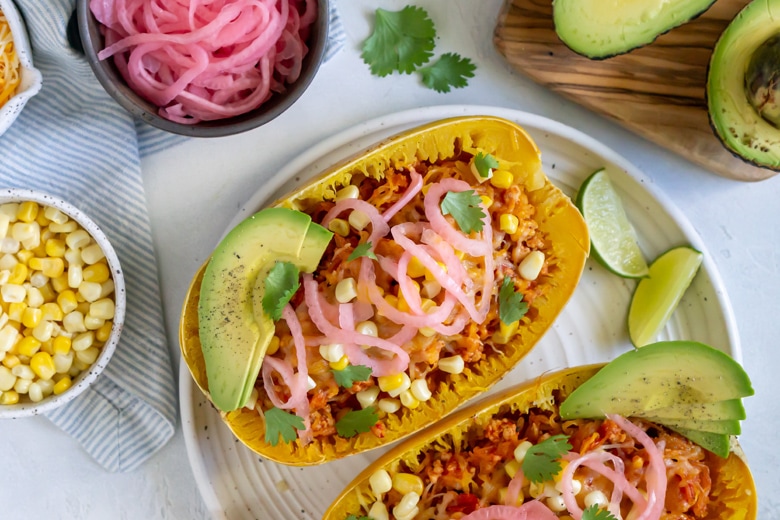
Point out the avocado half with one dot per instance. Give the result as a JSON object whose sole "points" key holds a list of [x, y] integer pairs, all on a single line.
{"points": [[743, 95], [601, 29]]}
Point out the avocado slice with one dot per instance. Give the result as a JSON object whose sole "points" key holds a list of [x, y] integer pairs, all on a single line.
{"points": [[233, 341], [717, 443], [731, 409], [724, 427], [599, 29], [658, 375], [743, 85]]}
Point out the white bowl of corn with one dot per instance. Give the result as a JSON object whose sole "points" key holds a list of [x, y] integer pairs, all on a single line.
{"points": [[62, 302]]}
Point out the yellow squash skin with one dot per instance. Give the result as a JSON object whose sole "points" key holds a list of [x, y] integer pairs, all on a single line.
{"points": [[733, 494], [559, 220]]}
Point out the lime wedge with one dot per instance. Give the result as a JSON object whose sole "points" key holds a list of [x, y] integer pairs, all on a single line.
{"points": [[612, 235], [656, 297]]}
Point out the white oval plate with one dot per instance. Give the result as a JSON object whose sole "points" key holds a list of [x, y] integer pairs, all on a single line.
{"points": [[238, 484]]}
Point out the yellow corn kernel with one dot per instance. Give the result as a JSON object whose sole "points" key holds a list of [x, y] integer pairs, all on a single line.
{"points": [[16, 311], [380, 482], [31, 317], [9, 397], [51, 312], [508, 223], [55, 248], [67, 301], [51, 267], [427, 332], [273, 346], [62, 385], [24, 256], [502, 179], [28, 211], [502, 496], [425, 189], [18, 274], [486, 201], [46, 346], [42, 219], [10, 360], [341, 364], [391, 382], [104, 332], [43, 365], [61, 345], [511, 468], [558, 476], [406, 483], [409, 400], [505, 332], [347, 192], [427, 304], [415, 269], [92, 254], [28, 346], [339, 226], [47, 293], [391, 300], [60, 283], [429, 276], [452, 364]]}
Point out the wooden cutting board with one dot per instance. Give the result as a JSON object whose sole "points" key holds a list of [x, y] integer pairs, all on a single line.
{"points": [[657, 91]]}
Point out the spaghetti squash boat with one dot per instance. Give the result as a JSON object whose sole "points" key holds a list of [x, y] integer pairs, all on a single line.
{"points": [[429, 266], [513, 456]]}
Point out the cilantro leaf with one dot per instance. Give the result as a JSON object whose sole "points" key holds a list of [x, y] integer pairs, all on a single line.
{"points": [[351, 373], [542, 462], [357, 421], [280, 285], [511, 306], [485, 164], [278, 422], [401, 41], [450, 70], [594, 513], [363, 249], [353, 517], [464, 206]]}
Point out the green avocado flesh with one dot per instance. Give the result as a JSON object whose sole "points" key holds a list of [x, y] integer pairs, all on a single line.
{"points": [[663, 376], [724, 427], [234, 331], [742, 75], [729, 410], [717, 443], [604, 28]]}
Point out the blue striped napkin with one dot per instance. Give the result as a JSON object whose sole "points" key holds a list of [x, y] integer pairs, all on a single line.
{"points": [[73, 141]]}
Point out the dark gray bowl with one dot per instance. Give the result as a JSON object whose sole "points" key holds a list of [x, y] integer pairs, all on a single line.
{"points": [[112, 81]]}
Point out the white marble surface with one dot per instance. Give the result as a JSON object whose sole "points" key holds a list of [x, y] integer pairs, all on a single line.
{"points": [[194, 189]]}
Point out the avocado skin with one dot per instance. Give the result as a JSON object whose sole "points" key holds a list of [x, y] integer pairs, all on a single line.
{"points": [[717, 443], [661, 26], [233, 337], [729, 109]]}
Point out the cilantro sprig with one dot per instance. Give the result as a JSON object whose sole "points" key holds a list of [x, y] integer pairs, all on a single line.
{"points": [[450, 71], [362, 249], [353, 517], [346, 377], [403, 41], [279, 423], [464, 206], [281, 284], [357, 421], [542, 460], [485, 164], [511, 306], [594, 513]]}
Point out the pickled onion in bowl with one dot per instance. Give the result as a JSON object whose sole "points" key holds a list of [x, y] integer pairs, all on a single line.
{"points": [[202, 60]]}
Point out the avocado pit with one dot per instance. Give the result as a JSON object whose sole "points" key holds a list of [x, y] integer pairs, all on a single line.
{"points": [[762, 80]]}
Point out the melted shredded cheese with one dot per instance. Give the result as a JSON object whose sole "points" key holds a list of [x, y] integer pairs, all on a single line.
{"points": [[9, 62]]}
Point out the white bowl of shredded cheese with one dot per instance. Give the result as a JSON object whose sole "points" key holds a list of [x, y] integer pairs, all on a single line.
{"points": [[19, 79], [62, 302]]}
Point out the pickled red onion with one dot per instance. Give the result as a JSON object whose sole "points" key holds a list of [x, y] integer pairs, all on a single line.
{"points": [[532, 510], [203, 60], [514, 488]]}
